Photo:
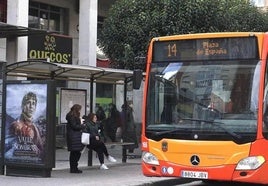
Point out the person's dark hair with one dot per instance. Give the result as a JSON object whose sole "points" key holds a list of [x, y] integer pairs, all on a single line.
{"points": [[91, 116], [100, 108], [125, 106], [75, 110]]}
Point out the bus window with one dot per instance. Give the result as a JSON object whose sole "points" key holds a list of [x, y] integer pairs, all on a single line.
{"points": [[255, 89], [265, 109], [240, 92]]}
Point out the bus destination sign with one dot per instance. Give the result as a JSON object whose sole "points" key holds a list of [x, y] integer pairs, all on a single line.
{"points": [[205, 49]]}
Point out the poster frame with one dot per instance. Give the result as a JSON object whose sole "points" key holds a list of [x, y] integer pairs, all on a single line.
{"points": [[2, 96], [65, 107], [47, 162]]}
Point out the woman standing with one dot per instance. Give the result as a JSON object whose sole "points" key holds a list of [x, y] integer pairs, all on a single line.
{"points": [[74, 145], [95, 141], [128, 127]]}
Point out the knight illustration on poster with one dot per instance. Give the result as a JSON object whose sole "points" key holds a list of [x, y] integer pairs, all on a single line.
{"points": [[25, 130]]}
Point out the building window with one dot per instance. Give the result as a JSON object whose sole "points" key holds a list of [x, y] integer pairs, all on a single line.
{"points": [[3, 11], [47, 17], [100, 25], [258, 3], [104, 90]]}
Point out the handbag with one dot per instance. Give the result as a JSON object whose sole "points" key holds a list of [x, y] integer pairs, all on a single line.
{"points": [[85, 138], [118, 132]]}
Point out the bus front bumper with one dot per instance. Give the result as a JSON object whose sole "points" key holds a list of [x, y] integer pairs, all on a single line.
{"points": [[221, 173]]}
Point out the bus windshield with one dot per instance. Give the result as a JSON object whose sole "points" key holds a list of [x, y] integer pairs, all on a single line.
{"points": [[203, 100]]}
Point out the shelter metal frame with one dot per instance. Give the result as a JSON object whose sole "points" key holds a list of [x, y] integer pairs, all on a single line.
{"points": [[40, 69]]}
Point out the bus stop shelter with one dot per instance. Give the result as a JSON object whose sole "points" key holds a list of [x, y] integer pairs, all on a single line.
{"points": [[44, 70], [39, 69], [36, 69]]}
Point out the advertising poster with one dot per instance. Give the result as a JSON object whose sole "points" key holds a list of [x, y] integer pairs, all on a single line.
{"points": [[26, 123], [69, 97]]}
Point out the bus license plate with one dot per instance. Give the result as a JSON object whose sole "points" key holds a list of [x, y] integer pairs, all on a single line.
{"points": [[194, 174]]}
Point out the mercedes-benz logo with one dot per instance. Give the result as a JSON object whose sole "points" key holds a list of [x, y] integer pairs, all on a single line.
{"points": [[195, 160]]}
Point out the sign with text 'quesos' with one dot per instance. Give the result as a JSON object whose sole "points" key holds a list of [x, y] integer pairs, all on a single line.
{"points": [[56, 48]]}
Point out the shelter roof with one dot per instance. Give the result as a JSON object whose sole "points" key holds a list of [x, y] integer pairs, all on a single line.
{"points": [[46, 70], [7, 31]]}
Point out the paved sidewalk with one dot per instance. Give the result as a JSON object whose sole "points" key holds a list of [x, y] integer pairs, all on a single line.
{"points": [[118, 174], [62, 158]]}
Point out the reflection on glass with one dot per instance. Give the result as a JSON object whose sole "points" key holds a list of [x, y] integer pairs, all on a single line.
{"points": [[218, 91]]}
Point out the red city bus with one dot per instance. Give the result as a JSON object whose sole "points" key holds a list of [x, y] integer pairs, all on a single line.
{"points": [[205, 110]]}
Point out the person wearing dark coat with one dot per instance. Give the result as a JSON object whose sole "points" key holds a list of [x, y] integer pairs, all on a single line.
{"points": [[96, 143], [113, 121], [74, 132], [101, 117], [128, 127]]}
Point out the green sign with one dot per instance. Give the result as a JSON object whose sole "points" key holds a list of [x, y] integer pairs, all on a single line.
{"points": [[56, 48]]}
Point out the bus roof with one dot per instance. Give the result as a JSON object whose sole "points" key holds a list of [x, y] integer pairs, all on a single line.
{"points": [[208, 35]]}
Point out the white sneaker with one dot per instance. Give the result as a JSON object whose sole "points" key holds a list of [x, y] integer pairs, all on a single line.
{"points": [[103, 167], [111, 159]]}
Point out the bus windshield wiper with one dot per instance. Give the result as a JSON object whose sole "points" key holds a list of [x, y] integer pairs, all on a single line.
{"points": [[214, 123], [169, 131]]}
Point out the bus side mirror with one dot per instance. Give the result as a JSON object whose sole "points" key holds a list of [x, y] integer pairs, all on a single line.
{"points": [[137, 78]]}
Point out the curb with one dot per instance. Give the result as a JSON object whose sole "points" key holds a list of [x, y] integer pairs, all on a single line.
{"points": [[170, 182]]}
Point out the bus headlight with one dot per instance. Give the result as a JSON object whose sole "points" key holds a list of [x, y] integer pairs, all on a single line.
{"points": [[149, 158], [250, 163]]}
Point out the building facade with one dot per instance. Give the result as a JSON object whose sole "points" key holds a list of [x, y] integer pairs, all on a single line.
{"points": [[260, 3], [74, 24], [61, 17]]}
